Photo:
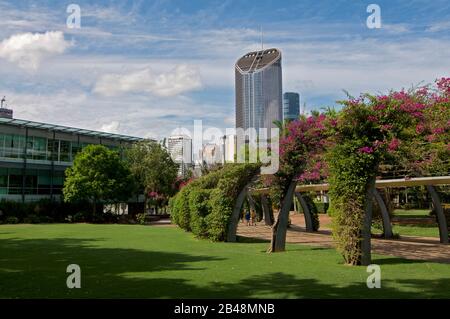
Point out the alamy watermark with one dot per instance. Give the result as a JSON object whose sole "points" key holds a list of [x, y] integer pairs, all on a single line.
{"points": [[374, 279], [374, 20], [74, 279], [74, 19]]}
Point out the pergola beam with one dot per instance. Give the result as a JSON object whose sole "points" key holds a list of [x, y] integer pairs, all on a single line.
{"points": [[381, 183]]}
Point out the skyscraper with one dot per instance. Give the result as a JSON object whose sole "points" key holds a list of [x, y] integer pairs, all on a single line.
{"points": [[258, 89], [180, 149], [291, 106]]}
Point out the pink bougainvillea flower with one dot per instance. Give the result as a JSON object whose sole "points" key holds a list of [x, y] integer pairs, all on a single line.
{"points": [[420, 128], [393, 145], [438, 130], [366, 149]]}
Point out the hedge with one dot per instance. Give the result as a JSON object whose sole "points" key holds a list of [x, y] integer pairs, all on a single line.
{"points": [[199, 209], [43, 211], [205, 205]]}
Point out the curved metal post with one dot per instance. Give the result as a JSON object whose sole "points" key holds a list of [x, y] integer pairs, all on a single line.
{"points": [[266, 211], [387, 226], [306, 212], [234, 218], [443, 228], [251, 201]]}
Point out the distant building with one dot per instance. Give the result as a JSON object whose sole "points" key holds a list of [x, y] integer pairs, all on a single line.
{"points": [[34, 156], [180, 149], [258, 84], [4, 111], [212, 154], [291, 106], [230, 148]]}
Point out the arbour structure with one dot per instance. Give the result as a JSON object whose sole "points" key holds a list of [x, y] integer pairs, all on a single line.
{"points": [[429, 182]]}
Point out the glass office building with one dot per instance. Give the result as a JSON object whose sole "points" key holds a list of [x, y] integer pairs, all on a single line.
{"points": [[291, 106], [258, 84], [34, 156]]}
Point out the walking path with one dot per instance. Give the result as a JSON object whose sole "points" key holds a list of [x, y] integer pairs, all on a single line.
{"points": [[408, 247]]}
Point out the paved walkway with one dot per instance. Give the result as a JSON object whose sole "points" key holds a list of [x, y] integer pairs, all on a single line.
{"points": [[408, 247]]}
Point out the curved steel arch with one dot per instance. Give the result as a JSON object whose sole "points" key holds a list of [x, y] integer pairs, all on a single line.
{"points": [[387, 226], [306, 212], [266, 210], [443, 228], [234, 218]]}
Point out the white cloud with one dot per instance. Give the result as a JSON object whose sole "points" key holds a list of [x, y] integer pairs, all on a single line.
{"points": [[439, 26], [183, 78], [27, 50], [112, 127]]}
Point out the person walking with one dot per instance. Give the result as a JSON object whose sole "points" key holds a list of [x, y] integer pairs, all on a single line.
{"points": [[253, 216], [247, 217]]}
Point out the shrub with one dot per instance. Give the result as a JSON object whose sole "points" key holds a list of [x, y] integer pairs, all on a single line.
{"points": [[46, 219], [223, 198], [205, 205], [179, 205], [322, 208], [80, 217], [140, 219], [180, 213], [199, 209], [32, 219], [12, 220]]}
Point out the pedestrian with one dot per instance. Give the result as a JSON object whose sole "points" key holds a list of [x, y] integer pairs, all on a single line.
{"points": [[247, 217], [253, 216]]}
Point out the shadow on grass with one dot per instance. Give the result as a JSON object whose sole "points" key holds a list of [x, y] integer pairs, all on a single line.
{"points": [[395, 261], [37, 269], [251, 240]]}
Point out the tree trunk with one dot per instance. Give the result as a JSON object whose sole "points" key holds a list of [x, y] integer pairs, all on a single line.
{"points": [[279, 229]]}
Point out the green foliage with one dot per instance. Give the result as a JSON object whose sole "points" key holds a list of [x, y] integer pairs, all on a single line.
{"points": [[205, 205], [32, 219], [179, 205], [44, 211], [199, 209], [140, 218], [223, 198], [98, 175], [322, 208], [153, 169], [221, 211], [12, 220], [179, 212], [81, 217]]}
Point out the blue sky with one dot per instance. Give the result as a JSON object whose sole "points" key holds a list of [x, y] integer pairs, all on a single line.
{"points": [[146, 68]]}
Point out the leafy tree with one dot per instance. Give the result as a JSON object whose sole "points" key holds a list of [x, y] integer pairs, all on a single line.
{"points": [[153, 169], [98, 175]]}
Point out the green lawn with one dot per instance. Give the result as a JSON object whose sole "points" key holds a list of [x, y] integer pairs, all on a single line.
{"points": [[423, 230], [412, 213], [406, 228], [128, 261]]}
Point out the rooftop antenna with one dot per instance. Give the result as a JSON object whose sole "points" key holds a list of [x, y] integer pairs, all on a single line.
{"points": [[3, 101], [262, 39]]}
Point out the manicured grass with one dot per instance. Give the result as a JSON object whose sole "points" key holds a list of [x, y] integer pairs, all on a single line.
{"points": [[417, 230], [412, 213], [125, 261]]}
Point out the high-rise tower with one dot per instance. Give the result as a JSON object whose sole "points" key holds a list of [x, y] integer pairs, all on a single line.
{"points": [[291, 106], [259, 97]]}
